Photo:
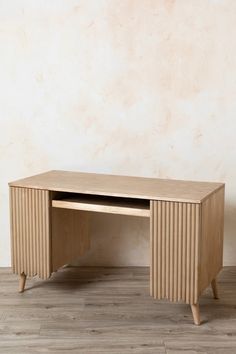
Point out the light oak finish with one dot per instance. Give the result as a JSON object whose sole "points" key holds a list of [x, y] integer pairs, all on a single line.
{"points": [[70, 236], [50, 226], [30, 232], [22, 282], [121, 186], [196, 314], [174, 247], [105, 205], [88, 310], [211, 238], [186, 247]]}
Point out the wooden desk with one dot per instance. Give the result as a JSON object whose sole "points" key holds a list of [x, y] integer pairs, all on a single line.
{"points": [[49, 226]]}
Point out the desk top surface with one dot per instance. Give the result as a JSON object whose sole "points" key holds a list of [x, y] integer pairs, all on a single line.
{"points": [[120, 186]]}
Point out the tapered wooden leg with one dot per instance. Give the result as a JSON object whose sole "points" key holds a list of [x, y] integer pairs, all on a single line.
{"points": [[196, 314], [214, 289], [22, 282]]}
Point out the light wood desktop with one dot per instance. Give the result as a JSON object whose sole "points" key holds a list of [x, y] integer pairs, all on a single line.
{"points": [[50, 219]]}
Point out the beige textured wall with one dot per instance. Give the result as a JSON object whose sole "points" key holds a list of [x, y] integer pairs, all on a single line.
{"points": [[135, 87]]}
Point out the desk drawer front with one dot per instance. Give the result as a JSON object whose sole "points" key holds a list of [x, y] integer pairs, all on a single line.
{"points": [[30, 231], [174, 256]]}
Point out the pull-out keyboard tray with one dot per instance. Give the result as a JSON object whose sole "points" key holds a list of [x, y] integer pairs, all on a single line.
{"points": [[103, 204]]}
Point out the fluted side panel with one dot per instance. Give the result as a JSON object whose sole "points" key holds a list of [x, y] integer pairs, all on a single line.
{"points": [[30, 231], [174, 250], [212, 235]]}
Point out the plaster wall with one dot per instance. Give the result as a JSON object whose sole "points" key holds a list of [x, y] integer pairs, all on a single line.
{"points": [[134, 87]]}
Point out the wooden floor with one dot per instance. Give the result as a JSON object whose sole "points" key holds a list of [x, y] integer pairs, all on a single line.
{"points": [[109, 310]]}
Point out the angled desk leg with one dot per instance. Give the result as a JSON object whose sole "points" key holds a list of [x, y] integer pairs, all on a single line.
{"points": [[22, 282], [186, 242], [196, 314], [214, 289]]}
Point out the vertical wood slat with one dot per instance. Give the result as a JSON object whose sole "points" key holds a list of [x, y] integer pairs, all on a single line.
{"points": [[174, 238], [30, 231]]}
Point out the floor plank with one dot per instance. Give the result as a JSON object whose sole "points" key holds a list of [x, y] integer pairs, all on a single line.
{"points": [[109, 310]]}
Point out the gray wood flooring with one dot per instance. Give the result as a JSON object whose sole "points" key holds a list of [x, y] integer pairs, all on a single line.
{"points": [[109, 310]]}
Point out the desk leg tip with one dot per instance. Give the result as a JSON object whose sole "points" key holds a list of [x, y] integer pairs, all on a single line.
{"points": [[215, 289], [22, 281], [196, 314]]}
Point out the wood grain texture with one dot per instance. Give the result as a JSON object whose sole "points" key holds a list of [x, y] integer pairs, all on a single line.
{"points": [[70, 237], [108, 310], [211, 241], [120, 186], [30, 231], [122, 206], [175, 245]]}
